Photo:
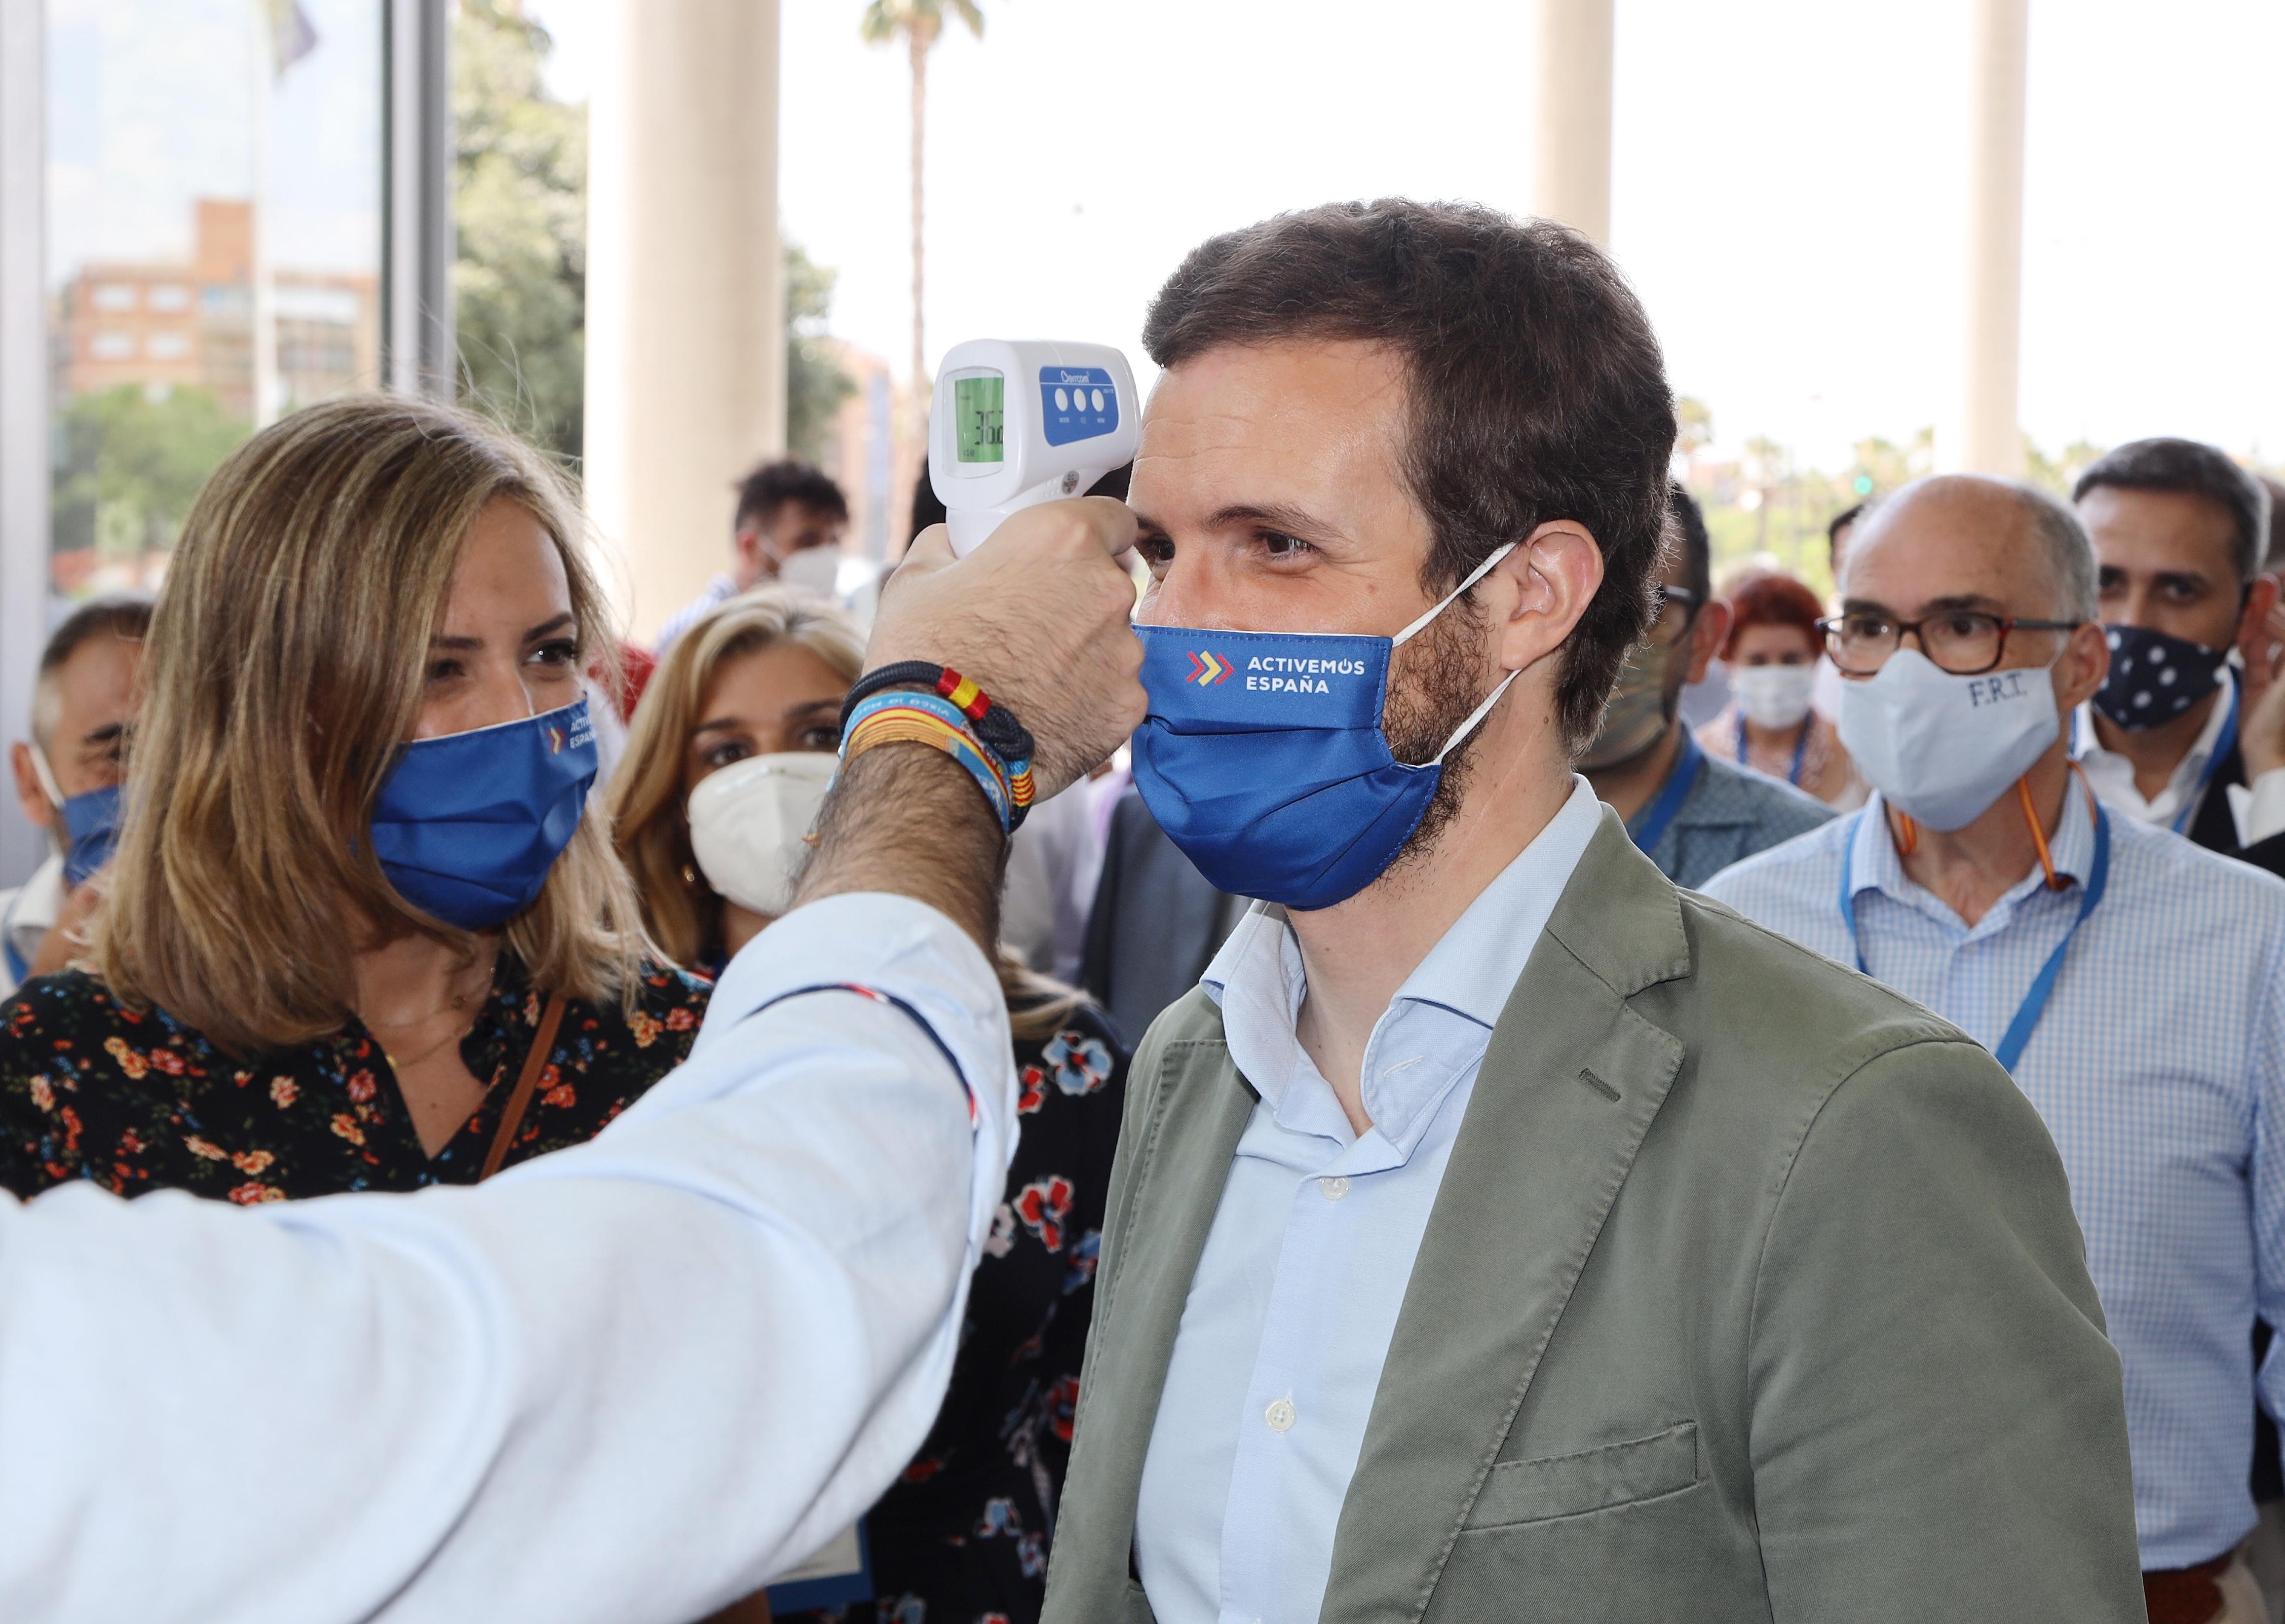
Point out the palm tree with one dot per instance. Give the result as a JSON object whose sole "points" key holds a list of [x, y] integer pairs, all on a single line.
{"points": [[921, 22]]}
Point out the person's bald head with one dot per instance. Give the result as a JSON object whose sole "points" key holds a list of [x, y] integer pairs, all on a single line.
{"points": [[1955, 537]]}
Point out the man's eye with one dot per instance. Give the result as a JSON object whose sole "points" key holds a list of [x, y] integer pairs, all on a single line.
{"points": [[1156, 550], [1279, 545]]}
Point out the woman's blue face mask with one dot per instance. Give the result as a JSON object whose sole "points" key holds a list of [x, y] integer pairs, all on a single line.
{"points": [[467, 827], [1263, 757]]}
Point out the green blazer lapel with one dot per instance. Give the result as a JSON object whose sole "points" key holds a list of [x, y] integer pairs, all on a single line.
{"points": [[1174, 1160], [1570, 1084]]}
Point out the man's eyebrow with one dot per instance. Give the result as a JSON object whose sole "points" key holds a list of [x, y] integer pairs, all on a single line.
{"points": [[1276, 516], [1976, 601], [108, 734]]}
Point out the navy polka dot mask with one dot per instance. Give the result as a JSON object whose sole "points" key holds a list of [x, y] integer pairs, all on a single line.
{"points": [[2154, 677]]}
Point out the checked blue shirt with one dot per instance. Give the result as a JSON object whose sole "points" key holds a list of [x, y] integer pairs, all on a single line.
{"points": [[2159, 1067]]}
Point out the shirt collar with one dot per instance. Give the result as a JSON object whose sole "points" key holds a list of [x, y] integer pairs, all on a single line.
{"points": [[1258, 980], [2192, 764], [34, 908], [1874, 864]]}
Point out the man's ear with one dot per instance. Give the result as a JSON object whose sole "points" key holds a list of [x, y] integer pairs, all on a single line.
{"points": [[2085, 661], [29, 796], [746, 550], [2253, 637], [1546, 585], [1708, 634]]}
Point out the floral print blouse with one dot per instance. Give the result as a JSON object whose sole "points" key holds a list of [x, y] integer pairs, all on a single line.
{"points": [[962, 1537], [139, 1102]]}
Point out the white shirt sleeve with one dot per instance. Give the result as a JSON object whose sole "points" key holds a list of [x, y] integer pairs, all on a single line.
{"points": [[2259, 811], [629, 1381]]}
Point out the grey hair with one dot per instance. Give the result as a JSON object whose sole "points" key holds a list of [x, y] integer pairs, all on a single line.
{"points": [[2070, 552]]}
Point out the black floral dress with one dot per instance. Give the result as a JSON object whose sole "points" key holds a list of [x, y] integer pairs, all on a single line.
{"points": [[139, 1102], [962, 1538]]}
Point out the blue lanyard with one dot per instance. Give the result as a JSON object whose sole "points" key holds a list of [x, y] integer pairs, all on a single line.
{"points": [[1670, 800], [2223, 745], [1800, 749], [2043, 986]]}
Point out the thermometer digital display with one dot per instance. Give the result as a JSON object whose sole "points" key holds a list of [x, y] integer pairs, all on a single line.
{"points": [[1016, 422]]}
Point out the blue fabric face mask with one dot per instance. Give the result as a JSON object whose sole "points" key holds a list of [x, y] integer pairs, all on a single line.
{"points": [[1262, 757], [90, 822], [467, 826]]}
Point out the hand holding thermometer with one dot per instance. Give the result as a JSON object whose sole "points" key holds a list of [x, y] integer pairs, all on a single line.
{"points": [[1023, 422]]}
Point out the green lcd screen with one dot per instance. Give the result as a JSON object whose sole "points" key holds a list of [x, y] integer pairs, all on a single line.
{"points": [[978, 407]]}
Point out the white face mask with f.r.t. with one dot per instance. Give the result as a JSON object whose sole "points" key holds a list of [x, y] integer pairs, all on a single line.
{"points": [[1941, 748]]}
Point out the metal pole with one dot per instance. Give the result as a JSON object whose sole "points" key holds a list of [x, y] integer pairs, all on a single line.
{"points": [[417, 331], [24, 406]]}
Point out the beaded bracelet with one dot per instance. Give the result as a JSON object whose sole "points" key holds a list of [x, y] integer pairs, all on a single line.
{"points": [[903, 716], [994, 724]]}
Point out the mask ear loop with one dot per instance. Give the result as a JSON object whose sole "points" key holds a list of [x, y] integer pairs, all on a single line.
{"points": [[47, 777], [1474, 576]]}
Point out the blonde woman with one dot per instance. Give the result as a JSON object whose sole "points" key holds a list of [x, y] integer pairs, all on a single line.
{"points": [[725, 766], [363, 930]]}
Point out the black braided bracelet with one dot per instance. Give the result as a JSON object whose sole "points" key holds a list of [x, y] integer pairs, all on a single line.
{"points": [[997, 727]]}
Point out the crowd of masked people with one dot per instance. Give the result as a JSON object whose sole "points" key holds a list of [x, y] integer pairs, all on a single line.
{"points": [[2026, 766]]}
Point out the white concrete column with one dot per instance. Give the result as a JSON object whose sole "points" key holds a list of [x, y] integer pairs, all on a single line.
{"points": [[1988, 438], [1573, 163], [685, 298]]}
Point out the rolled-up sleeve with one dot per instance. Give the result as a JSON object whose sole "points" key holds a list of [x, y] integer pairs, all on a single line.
{"points": [[631, 1381]]}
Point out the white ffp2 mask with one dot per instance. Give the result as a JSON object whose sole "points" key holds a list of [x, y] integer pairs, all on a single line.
{"points": [[1939, 747], [747, 824], [1773, 695], [813, 569]]}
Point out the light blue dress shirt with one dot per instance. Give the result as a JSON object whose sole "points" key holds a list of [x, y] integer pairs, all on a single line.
{"points": [[2159, 1067], [1296, 1296]]}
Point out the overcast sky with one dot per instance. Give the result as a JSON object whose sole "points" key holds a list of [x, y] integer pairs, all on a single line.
{"points": [[1787, 191]]}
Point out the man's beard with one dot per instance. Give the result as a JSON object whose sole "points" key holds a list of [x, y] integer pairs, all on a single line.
{"points": [[1435, 684]]}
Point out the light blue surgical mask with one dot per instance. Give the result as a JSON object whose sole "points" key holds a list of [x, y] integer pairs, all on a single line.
{"points": [[467, 826], [90, 822], [1263, 757]]}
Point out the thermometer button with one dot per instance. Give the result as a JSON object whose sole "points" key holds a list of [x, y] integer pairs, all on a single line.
{"points": [[1098, 400], [1062, 401]]}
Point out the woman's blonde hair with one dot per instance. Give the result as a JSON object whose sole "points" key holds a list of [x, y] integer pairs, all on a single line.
{"points": [[647, 796], [286, 663]]}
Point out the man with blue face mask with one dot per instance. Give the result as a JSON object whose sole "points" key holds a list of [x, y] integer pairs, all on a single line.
{"points": [[2176, 735], [2127, 979], [1479, 1244], [67, 777]]}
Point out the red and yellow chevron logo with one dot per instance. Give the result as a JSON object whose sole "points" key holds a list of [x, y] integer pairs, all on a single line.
{"points": [[1207, 668]]}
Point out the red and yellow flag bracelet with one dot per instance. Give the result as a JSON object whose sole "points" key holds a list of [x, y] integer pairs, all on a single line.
{"points": [[946, 721]]}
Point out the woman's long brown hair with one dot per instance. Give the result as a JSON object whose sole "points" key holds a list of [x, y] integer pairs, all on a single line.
{"points": [[285, 665]]}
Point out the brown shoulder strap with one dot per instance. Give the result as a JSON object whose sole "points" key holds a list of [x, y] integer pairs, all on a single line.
{"points": [[543, 1043]]}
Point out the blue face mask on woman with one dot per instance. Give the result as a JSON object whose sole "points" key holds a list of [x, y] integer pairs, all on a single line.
{"points": [[1263, 758], [467, 826], [90, 822]]}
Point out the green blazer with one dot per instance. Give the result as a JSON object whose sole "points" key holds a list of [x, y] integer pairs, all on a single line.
{"points": [[1752, 1292]]}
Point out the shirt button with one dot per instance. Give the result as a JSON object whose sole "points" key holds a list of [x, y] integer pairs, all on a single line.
{"points": [[1279, 1415], [1334, 1187]]}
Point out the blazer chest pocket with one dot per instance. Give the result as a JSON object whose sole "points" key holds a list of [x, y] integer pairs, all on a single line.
{"points": [[1591, 1480]]}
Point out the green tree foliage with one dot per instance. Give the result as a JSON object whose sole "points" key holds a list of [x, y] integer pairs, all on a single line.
{"points": [[519, 206], [130, 461], [815, 384]]}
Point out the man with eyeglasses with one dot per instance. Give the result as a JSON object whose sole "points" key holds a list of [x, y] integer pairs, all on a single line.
{"points": [[1691, 814], [2126, 979]]}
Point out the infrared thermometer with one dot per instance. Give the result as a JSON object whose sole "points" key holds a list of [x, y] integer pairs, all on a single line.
{"points": [[1017, 422]]}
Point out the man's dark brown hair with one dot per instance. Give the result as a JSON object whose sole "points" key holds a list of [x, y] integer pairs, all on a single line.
{"points": [[1537, 388]]}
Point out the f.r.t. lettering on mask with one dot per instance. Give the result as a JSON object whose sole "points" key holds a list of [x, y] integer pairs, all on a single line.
{"points": [[1941, 748]]}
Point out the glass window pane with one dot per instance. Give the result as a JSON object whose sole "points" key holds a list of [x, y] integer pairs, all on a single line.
{"points": [[214, 249]]}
